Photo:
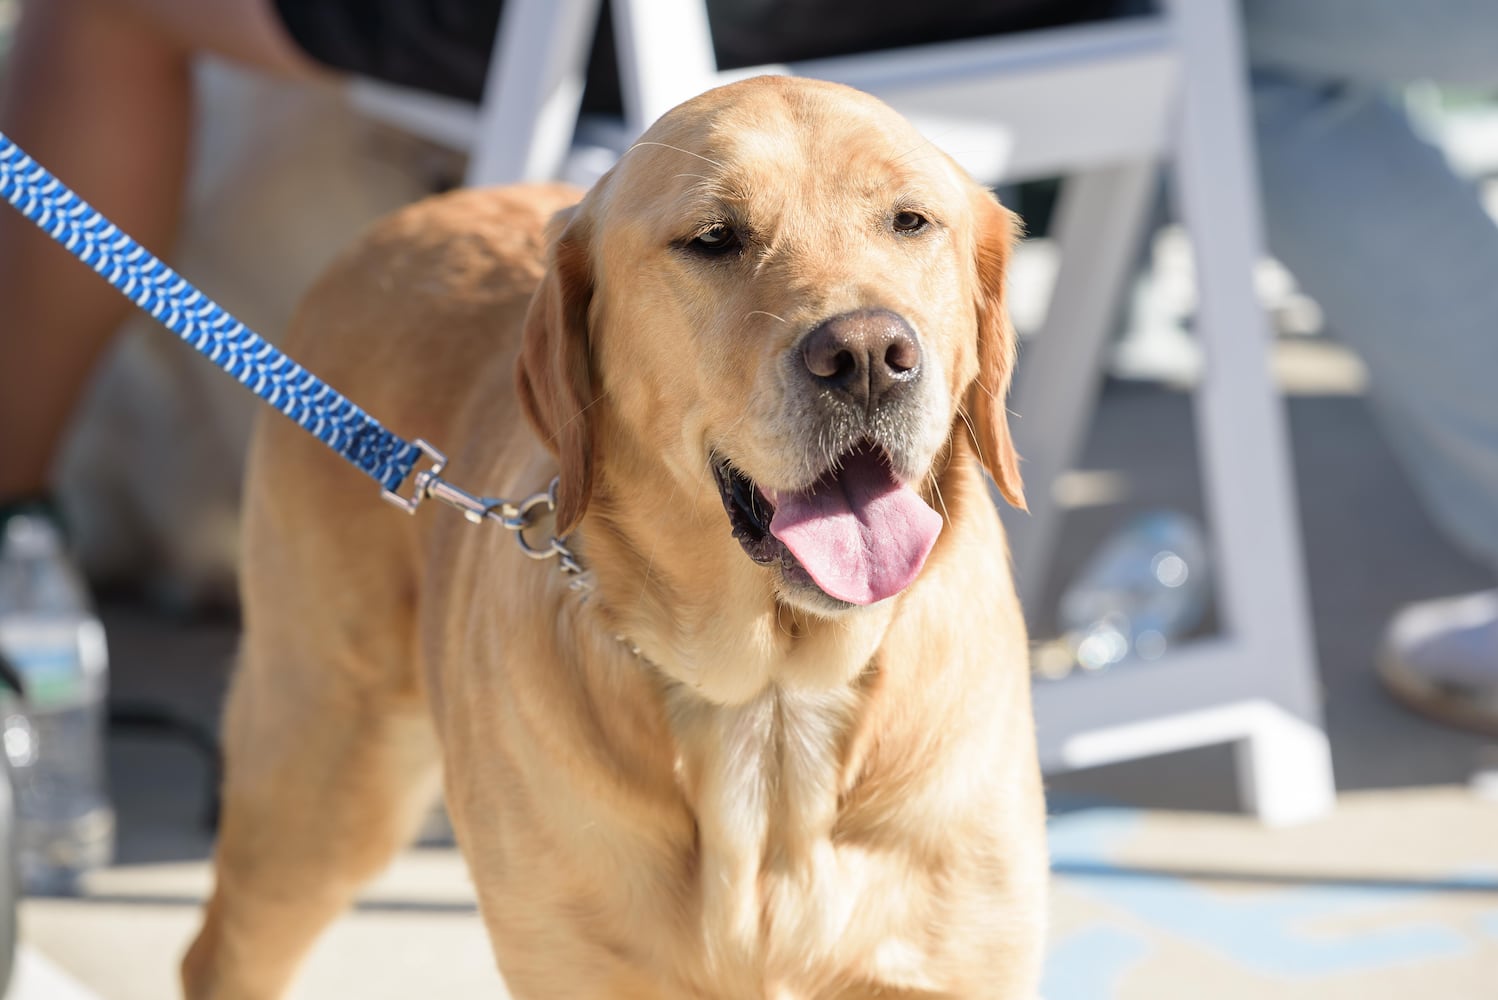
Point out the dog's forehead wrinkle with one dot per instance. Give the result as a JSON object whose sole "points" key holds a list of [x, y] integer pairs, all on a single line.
{"points": [[719, 194], [825, 154]]}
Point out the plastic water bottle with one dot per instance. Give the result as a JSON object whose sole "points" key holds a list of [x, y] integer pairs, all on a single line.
{"points": [[1141, 591], [53, 737]]}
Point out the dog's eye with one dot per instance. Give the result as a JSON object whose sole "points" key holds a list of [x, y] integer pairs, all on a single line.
{"points": [[908, 222], [715, 241]]}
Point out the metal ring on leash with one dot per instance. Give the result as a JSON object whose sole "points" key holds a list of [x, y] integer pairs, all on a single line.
{"points": [[525, 518]]}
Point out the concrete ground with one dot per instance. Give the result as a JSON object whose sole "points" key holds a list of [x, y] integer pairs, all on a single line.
{"points": [[1161, 889], [1395, 895]]}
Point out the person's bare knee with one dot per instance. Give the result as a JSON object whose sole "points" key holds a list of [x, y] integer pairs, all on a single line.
{"points": [[245, 31], [44, 22]]}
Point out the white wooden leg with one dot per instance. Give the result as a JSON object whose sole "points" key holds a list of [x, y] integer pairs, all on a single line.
{"points": [[1098, 230], [534, 90], [1285, 769], [1240, 419], [1255, 686], [665, 56]]}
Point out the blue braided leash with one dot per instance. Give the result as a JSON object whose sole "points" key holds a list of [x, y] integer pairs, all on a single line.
{"points": [[258, 365]]}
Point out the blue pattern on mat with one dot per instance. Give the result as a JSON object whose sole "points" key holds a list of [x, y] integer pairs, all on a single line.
{"points": [[1273, 931], [1089, 964]]}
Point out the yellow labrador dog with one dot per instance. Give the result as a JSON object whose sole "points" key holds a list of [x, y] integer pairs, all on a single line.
{"points": [[782, 748]]}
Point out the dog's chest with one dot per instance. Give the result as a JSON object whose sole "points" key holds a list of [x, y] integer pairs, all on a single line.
{"points": [[781, 901]]}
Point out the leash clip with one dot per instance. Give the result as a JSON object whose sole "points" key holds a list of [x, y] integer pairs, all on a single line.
{"points": [[518, 517], [429, 483], [421, 484]]}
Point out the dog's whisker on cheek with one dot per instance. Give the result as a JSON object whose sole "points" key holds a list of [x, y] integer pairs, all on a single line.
{"points": [[940, 500], [973, 431], [786, 630]]}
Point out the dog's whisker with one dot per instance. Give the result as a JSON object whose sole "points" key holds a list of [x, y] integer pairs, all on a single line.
{"points": [[667, 145], [762, 312], [780, 612], [928, 144], [941, 500], [978, 444], [579, 414]]}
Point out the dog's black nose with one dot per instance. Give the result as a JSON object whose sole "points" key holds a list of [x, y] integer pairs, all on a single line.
{"points": [[864, 355]]}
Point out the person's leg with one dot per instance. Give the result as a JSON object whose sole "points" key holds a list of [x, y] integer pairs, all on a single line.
{"points": [[1404, 260], [98, 91], [1402, 256]]}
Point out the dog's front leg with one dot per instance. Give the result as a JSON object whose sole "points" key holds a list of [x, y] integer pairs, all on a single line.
{"points": [[323, 786]]}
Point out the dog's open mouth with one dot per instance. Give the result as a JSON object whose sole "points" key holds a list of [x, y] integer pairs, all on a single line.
{"points": [[858, 533]]}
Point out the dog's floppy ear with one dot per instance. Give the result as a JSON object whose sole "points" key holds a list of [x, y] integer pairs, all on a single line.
{"points": [[996, 232], [553, 375]]}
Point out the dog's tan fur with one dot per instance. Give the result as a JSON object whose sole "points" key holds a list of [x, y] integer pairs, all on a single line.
{"points": [[775, 798]]}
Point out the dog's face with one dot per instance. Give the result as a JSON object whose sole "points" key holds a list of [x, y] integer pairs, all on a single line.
{"points": [[786, 297]]}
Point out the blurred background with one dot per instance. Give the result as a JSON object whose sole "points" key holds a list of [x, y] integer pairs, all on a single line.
{"points": [[1168, 881]]}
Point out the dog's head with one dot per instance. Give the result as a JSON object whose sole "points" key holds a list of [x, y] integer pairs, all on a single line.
{"points": [[785, 297]]}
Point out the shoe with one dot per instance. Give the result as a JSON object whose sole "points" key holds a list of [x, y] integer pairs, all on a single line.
{"points": [[1440, 658]]}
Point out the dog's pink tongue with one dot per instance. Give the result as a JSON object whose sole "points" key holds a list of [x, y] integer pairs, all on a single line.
{"points": [[862, 536]]}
